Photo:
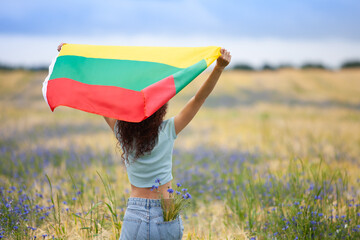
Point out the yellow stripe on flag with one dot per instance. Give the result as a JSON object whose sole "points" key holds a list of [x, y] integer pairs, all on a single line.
{"points": [[181, 57]]}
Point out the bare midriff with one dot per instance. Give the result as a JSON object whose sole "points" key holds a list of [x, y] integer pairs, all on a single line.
{"points": [[152, 194]]}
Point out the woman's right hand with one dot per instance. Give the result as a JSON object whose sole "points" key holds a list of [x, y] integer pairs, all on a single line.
{"points": [[60, 46], [224, 59]]}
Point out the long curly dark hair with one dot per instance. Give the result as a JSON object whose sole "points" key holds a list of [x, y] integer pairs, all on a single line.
{"points": [[141, 137]]}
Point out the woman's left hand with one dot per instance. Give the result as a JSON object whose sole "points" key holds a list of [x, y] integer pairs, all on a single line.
{"points": [[60, 46]]}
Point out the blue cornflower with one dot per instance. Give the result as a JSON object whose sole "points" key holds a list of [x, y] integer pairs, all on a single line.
{"points": [[78, 193], [178, 184], [184, 189], [157, 180], [318, 197], [296, 238], [253, 238], [64, 202], [74, 198], [184, 196], [16, 227], [178, 193], [170, 190], [153, 187], [320, 214], [275, 234], [188, 195]]}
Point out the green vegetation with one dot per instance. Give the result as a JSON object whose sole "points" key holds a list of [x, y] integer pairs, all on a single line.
{"points": [[272, 155]]}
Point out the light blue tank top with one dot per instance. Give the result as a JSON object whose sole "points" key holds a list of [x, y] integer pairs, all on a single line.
{"points": [[158, 163]]}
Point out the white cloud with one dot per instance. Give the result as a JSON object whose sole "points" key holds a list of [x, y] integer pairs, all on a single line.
{"points": [[38, 50]]}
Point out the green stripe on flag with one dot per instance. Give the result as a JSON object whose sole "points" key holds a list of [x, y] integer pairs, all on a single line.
{"points": [[185, 76], [129, 74]]}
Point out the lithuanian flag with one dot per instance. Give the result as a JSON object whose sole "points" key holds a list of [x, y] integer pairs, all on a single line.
{"points": [[123, 82]]}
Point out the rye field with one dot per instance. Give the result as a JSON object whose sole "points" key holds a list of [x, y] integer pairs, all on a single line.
{"points": [[271, 155]]}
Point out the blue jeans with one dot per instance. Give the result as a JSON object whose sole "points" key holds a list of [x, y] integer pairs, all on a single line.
{"points": [[144, 220]]}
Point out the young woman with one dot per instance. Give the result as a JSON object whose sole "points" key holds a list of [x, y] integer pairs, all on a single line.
{"points": [[147, 153]]}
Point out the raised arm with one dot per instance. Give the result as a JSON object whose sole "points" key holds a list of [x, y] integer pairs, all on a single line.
{"points": [[111, 122], [182, 119]]}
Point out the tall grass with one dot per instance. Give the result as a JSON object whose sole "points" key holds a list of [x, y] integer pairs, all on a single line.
{"points": [[271, 155], [303, 201]]}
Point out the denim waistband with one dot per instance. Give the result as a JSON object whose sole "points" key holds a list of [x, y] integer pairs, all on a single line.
{"points": [[144, 202]]}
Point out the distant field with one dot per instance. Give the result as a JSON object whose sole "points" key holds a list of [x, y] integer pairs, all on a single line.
{"points": [[272, 154]]}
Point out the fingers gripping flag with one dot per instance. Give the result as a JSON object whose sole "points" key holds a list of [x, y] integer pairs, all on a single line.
{"points": [[128, 83]]}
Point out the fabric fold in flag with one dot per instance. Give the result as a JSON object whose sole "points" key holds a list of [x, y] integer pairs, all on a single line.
{"points": [[128, 83]]}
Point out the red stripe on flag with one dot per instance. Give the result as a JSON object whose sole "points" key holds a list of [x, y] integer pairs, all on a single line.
{"points": [[109, 101], [158, 94]]}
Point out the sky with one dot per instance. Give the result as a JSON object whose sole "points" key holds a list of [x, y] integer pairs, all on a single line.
{"points": [[254, 31]]}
